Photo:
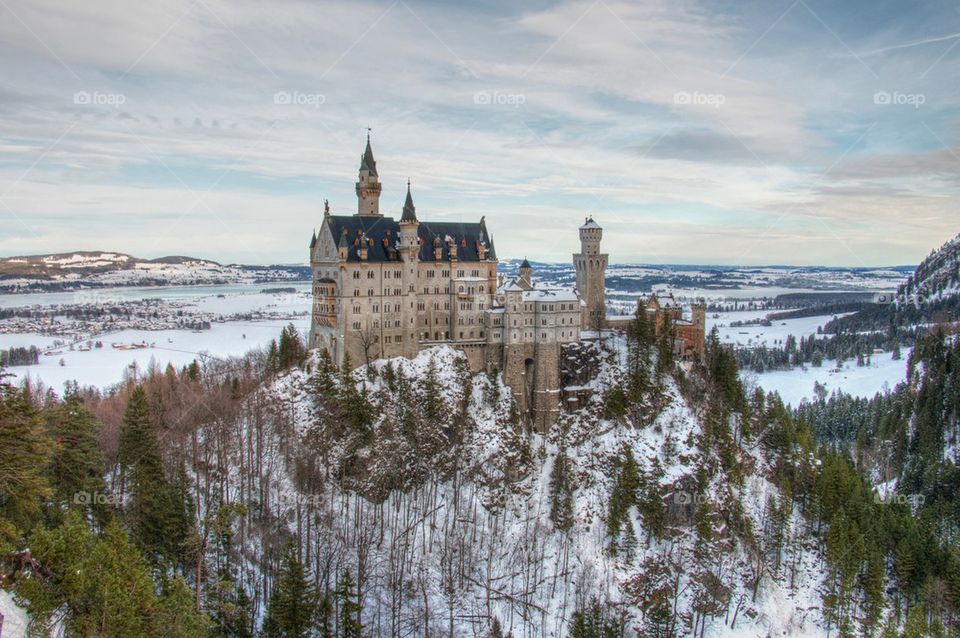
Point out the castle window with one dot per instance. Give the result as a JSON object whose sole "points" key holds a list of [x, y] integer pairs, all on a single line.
{"points": [[356, 325], [370, 274], [369, 292], [356, 293], [446, 273], [356, 274], [459, 273], [461, 334], [481, 334]]}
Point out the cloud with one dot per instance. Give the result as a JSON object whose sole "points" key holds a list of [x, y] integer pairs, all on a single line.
{"points": [[524, 115]]}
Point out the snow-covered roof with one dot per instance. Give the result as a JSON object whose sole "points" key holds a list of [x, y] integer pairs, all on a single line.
{"points": [[590, 224], [542, 294]]}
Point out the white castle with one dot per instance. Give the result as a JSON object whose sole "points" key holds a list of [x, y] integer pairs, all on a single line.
{"points": [[388, 288]]}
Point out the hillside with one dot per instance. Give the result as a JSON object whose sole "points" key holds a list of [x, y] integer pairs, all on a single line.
{"points": [[410, 497], [937, 276], [931, 295], [96, 269]]}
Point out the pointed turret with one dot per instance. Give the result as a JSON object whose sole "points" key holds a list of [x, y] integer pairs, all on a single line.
{"points": [[525, 280], [368, 185], [366, 160], [409, 210]]}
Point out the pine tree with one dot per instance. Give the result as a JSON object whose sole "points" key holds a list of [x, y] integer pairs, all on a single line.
{"points": [[24, 456], [77, 465], [561, 492], [156, 509], [350, 626], [176, 615], [293, 601]]}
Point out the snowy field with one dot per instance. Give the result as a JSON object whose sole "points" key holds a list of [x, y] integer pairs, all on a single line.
{"points": [[108, 365], [797, 384], [773, 335]]}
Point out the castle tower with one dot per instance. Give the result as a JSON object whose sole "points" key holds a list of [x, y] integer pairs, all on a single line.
{"points": [[591, 267], [526, 275], [409, 248], [368, 185]]}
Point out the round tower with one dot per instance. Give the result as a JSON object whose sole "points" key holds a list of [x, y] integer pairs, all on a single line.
{"points": [[591, 267]]}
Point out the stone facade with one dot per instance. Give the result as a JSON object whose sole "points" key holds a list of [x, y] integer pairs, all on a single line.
{"points": [[387, 288]]}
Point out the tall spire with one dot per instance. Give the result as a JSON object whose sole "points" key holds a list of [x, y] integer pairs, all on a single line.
{"points": [[409, 210], [368, 184], [366, 160]]}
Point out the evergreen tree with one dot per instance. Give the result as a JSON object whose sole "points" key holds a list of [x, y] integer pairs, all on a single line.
{"points": [[595, 622], [176, 615], [293, 601], [24, 454], [349, 598], [155, 509], [561, 492], [77, 465]]}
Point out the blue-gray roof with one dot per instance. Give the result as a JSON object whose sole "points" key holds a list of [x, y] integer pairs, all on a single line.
{"points": [[385, 232]]}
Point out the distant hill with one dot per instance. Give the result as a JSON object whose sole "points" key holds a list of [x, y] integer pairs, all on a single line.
{"points": [[937, 276], [53, 266], [930, 295], [98, 269]]}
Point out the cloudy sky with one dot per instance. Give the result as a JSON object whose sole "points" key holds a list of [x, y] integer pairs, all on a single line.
{"points": [[731, 132]]}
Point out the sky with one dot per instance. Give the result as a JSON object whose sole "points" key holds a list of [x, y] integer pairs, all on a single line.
{"points": [[696, 132]]}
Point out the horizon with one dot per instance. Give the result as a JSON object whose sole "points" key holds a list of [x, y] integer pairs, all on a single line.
{"points": [[699, 133], [306, 264]]}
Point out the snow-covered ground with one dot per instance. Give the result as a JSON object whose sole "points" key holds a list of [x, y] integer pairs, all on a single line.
{"points": [[15, 618], [796, 385], [106, 366], [772, 335]]}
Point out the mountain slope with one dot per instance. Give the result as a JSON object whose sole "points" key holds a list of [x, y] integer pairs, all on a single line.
{"points": [[454, 523], [95, 269], [937, 276]]}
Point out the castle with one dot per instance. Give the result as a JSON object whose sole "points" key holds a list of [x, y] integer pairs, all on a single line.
{"points": [[388, 288]]}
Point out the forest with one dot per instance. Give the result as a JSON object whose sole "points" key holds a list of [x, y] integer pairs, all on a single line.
{"points": [[279, 495]]}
